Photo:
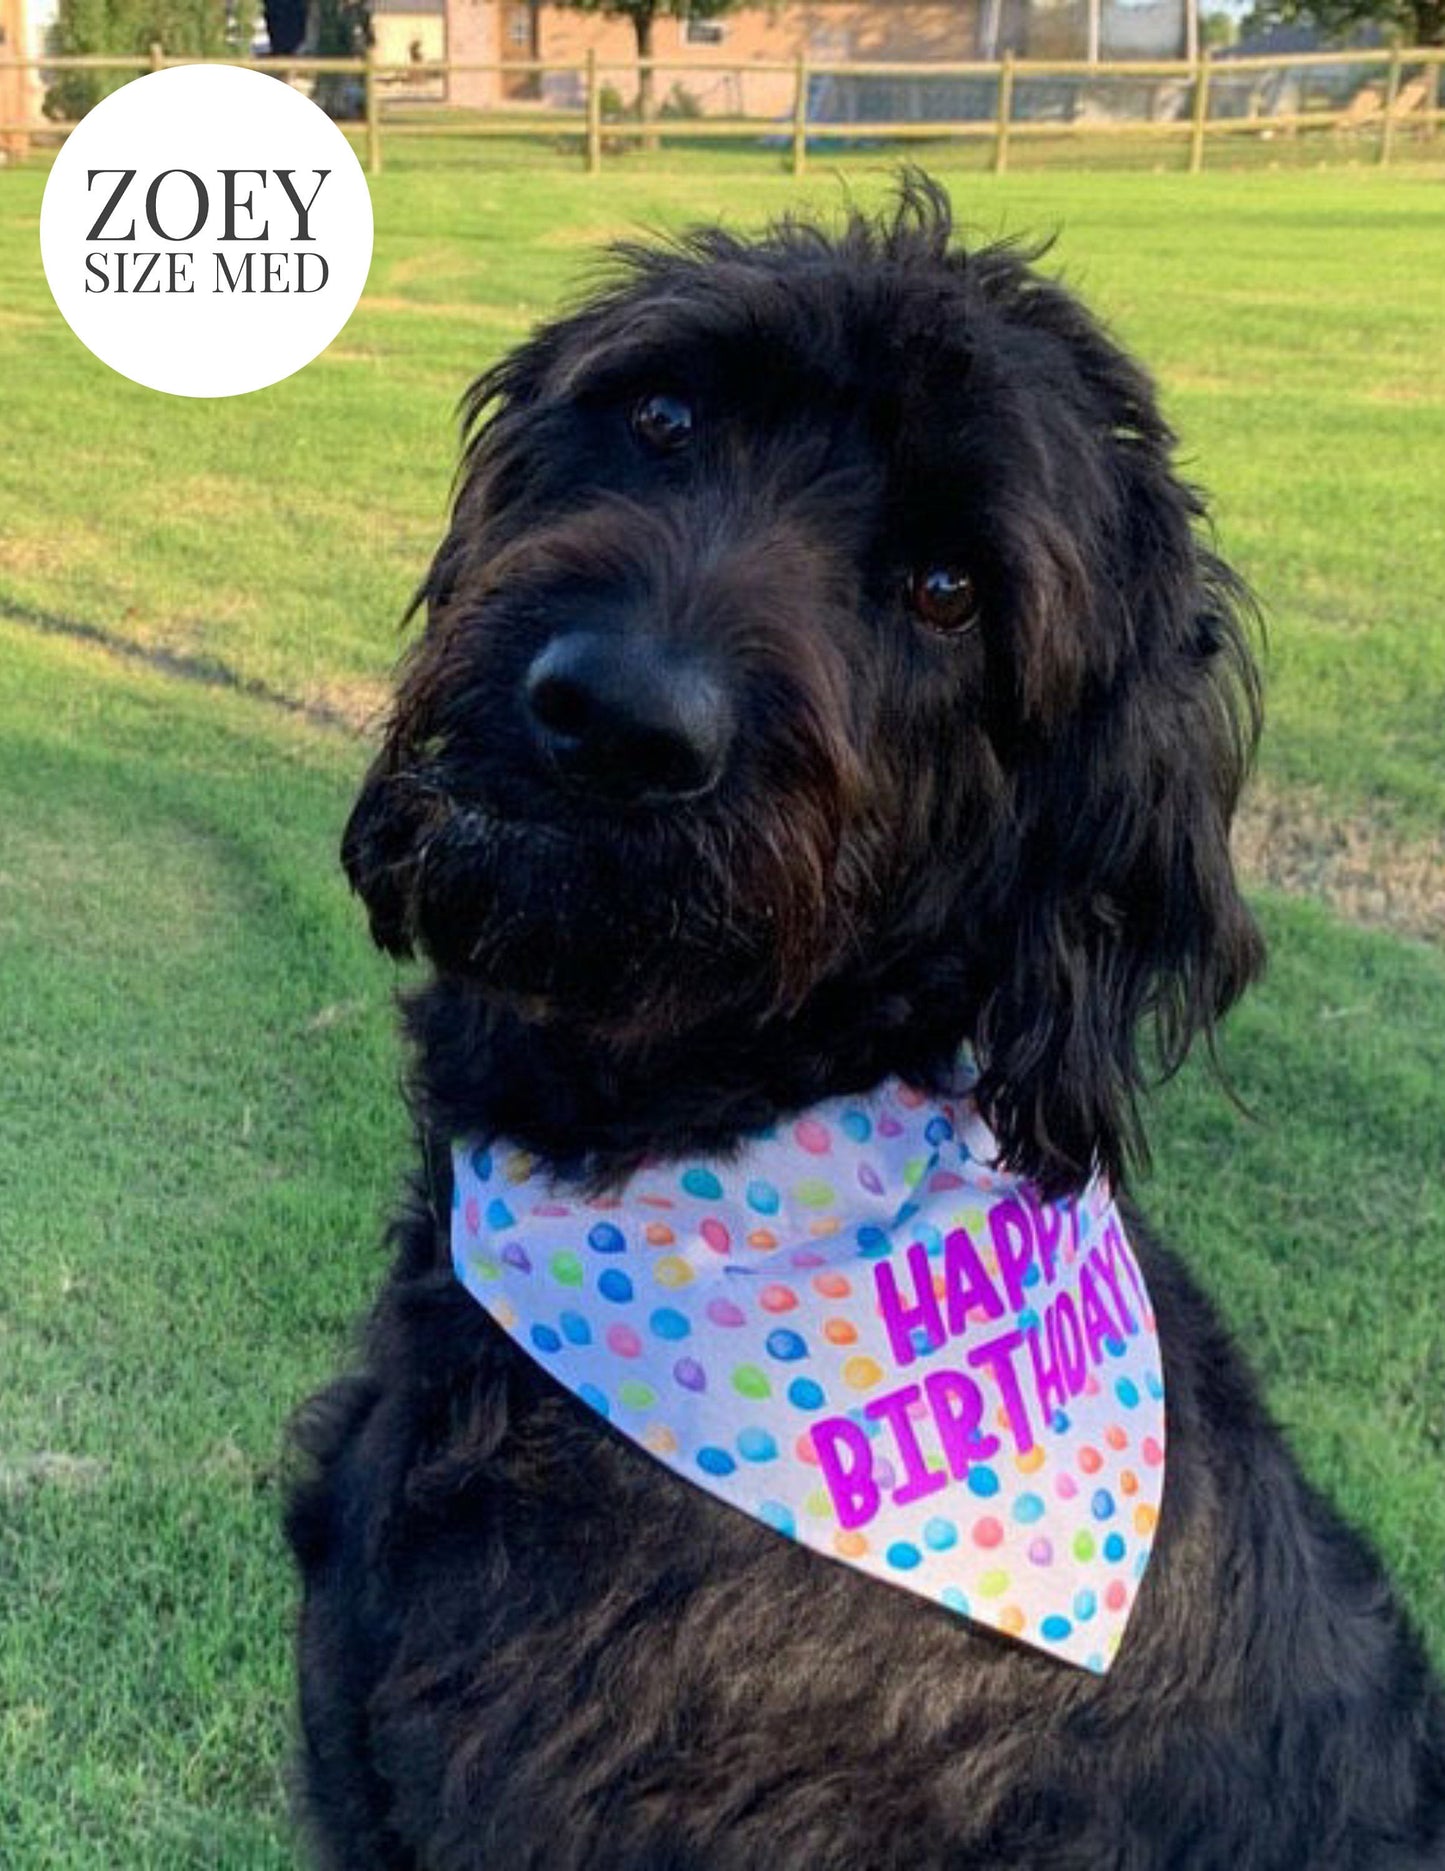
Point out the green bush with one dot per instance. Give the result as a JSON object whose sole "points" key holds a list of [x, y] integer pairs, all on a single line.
{"points": [[129, 28]]}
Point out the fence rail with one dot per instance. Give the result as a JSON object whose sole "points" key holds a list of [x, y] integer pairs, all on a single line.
{"points": [[1379, 108]]}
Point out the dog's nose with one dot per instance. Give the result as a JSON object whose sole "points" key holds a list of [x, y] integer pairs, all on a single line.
{"points": [[627, 718]]}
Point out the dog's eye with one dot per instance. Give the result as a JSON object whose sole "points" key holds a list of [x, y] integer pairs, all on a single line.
{"points": [[664, 422], [944, 597]]}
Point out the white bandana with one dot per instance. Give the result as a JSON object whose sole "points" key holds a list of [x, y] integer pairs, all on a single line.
{"points": [[859, 1332]]}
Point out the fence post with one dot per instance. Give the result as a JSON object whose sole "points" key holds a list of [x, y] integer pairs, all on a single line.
{"points": [[1392, 94], [158, 57], [1432, 100], [1200, 115], [594, 114], [1005, 111], [373, 112], [800, 116]]}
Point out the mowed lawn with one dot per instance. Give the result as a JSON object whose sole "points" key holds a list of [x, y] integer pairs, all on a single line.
{"points": [[201, 1125]]}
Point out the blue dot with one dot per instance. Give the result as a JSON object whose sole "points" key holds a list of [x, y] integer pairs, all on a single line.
{"points": [[982, 1481], [1085, 1605], [715, 1461], [595, 1399], [903, 1556], [667, 1322], [928, 1238], [500, 1216], [1127, 1391], [955, 1600], [1102, 1505], [1114, 1548], [482, 1163], [1031, 1275], [1114, 1346], [1153, 1385], [1140, 1563], [1027, 1509], [756, 1445], [615, 1285], [804, 1394], [922, 1340], [1059, 1422], [773, 1514], [545, 1339], [704, 1185], [873, 1242], [937, 1130], [1055, 1628], [764, 1198], [575, 1329], [856, 1125], [1027, 1320], [786, 1346], [939, 1535], [606, 1239]]}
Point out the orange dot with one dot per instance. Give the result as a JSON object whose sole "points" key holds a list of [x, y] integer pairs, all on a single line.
{"points": [[1012, 1620], [832, 1285], [940, 1289], [1031, 1461], [1090, 1460], [840, 1332], [1145, 1518], [761, 1239], [659, 1438], [659, 1234], [862, 1373], [1115, 1437], [1129, 1482], [804, 1450], [850, 1545], [824, 1226]]}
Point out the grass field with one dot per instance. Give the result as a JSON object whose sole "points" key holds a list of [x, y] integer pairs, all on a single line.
{"points": [[201, 1127]]}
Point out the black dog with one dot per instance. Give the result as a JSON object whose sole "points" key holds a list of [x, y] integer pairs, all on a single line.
{"points": [[823, 670]]}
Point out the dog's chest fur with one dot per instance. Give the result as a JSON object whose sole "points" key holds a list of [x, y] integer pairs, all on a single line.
{"points": [[566, 1657]]}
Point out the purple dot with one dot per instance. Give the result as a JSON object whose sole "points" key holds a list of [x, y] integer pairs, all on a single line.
{"points": [[516, 1256], [690, 1374], [724, 1312]]}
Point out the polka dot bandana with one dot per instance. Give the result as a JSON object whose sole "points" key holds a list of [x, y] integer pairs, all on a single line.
{"points": [[863, 1334]]}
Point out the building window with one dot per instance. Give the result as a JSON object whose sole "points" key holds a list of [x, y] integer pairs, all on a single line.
{"points": [[519, 28], [703, 32]]}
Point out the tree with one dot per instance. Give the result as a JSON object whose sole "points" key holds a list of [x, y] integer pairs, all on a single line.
{"points": [[1417, 22], [203, 28], [644, 15]]}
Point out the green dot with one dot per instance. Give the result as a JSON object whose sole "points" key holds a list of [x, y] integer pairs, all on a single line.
{"points": [[484, 1267], [813, 1192], [566, 1269], [993, 1584], [749, 1381], [1083, 1546], [913, 1171], [636, 1395]]}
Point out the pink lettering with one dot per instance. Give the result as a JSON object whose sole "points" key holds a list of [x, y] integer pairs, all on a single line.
{"points": [[900, 1317], [966, 1283], [919, 1478], [845, 1457], [957, 1405]]}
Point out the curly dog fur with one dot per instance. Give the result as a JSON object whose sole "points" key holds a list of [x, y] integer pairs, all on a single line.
{"points": [[950, 706]]}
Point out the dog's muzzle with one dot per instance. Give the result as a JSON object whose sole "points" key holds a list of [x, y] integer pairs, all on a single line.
{"points": [[627, 718]]}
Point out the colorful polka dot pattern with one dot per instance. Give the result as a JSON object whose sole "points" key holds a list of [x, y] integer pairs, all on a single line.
{"points": [[866, 1336]]}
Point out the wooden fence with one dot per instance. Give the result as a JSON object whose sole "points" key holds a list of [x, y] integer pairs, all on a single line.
{"points": [[1378, 108]]}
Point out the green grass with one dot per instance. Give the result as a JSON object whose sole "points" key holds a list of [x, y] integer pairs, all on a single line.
{"points": [[201, 1121]]}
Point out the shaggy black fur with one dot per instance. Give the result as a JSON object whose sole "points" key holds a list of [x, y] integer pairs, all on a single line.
{"points": [[923, 714]]}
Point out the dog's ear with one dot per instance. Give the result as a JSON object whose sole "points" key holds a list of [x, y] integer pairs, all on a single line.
{"points": [[1132, 702]]}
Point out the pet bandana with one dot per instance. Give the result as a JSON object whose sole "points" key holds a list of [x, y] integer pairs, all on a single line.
{"points": [[865, 1335]]}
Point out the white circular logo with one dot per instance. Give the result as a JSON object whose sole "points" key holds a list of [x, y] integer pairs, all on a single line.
{"points": [[206, 230]]}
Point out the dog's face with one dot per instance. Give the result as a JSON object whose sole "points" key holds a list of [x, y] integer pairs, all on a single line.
{"points": [[819, 610]]}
